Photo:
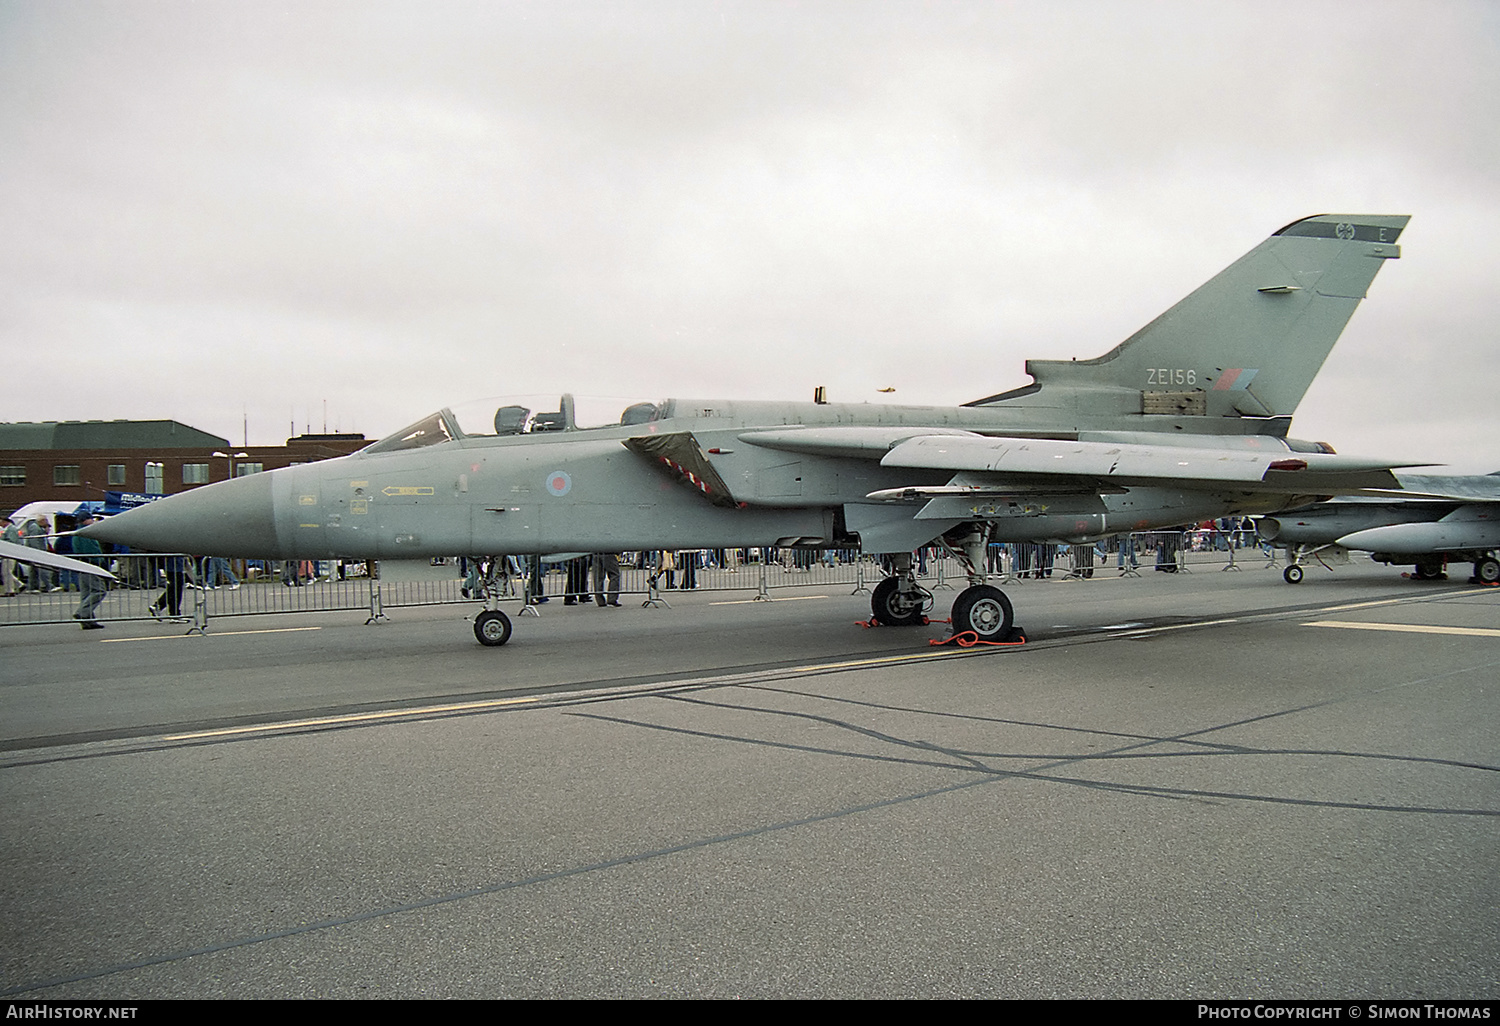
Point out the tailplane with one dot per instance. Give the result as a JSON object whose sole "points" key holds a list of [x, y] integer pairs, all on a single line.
{"points": [[1248, 342]]}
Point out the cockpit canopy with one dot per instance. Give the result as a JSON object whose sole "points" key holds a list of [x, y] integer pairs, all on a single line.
{"points": [[521, 415]]}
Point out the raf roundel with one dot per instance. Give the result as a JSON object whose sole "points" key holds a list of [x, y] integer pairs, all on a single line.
{"points": [[559, 483]]}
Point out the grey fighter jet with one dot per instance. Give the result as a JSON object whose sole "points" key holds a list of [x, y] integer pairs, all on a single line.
{"points": [[1434, 520], [1184, 421]]}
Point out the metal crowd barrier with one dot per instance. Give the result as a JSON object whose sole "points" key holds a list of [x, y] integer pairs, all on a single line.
{"points": [[193, 591], [179, 588]]}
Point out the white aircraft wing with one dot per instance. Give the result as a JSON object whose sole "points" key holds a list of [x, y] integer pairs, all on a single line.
{"points": [[1271, 469], [1447, 487], [1013, 464], [41, 557]]}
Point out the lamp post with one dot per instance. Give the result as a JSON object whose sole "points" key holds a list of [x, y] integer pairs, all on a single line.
{"points": [[231, 457], [219, 564]]}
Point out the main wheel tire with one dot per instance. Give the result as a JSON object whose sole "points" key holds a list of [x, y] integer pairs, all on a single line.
{"points": [[1429, 570], [492, 627], [893, 609], [1292, 574], [985, 611], [1487, 570]]}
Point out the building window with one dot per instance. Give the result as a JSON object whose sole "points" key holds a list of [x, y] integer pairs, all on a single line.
{"points": [[154, 479], [246, 469], [12, 475], [64, 475], [194, 473], [116, 473]]}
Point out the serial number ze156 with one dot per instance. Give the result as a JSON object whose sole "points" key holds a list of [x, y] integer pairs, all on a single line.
{"points": [[1171, 376]]}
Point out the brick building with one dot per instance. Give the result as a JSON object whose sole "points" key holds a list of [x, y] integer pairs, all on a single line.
{"points": [[78, 460]]}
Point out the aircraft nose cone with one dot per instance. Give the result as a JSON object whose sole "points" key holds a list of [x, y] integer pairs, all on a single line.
{"points": [[231, 518]]}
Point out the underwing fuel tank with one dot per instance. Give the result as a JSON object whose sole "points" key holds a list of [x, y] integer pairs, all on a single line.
{"points": [[1326, 525], [1448, 535]]}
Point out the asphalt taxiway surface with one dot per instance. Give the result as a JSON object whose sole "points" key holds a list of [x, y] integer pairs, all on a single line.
{"points": [[1205, 786]]}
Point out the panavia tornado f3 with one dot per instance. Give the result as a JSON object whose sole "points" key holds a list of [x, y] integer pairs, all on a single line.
{"points": [[1184, 421]]}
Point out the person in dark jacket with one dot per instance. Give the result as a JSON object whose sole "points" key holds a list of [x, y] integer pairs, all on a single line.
{"points": [[93, 588]]}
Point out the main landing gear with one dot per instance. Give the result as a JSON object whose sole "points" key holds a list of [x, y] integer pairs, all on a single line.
{"points": [[1430, 570], [980, 609], [900, 602]]}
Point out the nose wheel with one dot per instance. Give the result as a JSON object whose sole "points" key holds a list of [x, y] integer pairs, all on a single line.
{"points": [[492, 627]]}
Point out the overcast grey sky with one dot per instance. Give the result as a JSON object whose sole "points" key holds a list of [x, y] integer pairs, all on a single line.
{"points": [[217, 207]]}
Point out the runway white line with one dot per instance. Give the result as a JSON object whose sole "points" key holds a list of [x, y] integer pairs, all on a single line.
{"points": [[325, 721], [215, 634], [1379, 602], [1175, 627], [1269, 616], [1408, 628], [571, 696]]}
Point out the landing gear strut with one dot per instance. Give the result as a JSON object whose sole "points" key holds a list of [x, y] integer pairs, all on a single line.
{"points": [[491, 626], [979, 609], [899, 601]]}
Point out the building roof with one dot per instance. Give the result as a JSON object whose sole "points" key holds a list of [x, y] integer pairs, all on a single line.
{"points": [[106, 434]]}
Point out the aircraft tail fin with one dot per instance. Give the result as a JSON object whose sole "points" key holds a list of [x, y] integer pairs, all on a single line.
{"points": [[1246, 343]]}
